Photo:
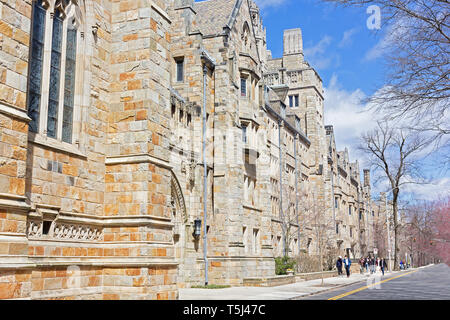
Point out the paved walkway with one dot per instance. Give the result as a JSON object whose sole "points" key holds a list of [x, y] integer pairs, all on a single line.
{"points": [[284, 292]]}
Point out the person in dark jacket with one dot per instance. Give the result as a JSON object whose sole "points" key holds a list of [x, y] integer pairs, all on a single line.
{"points": [[347, 264], [339, 265], [361, 265], [383, 265], [372, 265]]}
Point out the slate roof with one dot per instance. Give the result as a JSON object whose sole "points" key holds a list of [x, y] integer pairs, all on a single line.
{"points": [[213, 15]]}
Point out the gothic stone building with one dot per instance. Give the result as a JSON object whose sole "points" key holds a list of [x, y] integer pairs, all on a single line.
{"points": [[114, 115]]}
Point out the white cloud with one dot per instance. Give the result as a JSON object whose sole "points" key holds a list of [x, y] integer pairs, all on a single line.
{"points": [[377, 51], [388, 40], [319, 48], [269, 3], [347, 37], [349, 116], [435, 190], [319, 57]]}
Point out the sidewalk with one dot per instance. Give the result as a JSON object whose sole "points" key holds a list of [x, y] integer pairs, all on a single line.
{"points": [[285, 292]]}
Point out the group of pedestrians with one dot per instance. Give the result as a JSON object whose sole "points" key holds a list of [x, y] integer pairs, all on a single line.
{"points": [[370, 264], [346, 262]]}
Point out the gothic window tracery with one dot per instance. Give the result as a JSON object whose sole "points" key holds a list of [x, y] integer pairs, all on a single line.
{"points": [[55, 38], [245, 38]]}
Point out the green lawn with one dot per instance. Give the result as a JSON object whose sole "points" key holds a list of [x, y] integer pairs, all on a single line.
{"points": [[211, 286]]}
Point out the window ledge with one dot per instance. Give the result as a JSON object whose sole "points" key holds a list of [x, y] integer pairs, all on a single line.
{"points": [[251, 207], [57, 145]]}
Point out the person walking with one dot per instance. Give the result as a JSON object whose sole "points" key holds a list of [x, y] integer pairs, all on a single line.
{"points": [[372, 265], [378, 267], [361, 265], [339, 265], [366, 263], [383, 265], [401, 265], [347, 264]]}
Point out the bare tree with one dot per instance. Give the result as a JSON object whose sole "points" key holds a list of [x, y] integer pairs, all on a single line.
{"points": [[395, 153], [428, 231], [416, 51], [316, 214]]}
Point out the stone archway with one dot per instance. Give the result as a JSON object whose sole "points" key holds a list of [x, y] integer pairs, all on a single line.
{"points": [[179, 218]]}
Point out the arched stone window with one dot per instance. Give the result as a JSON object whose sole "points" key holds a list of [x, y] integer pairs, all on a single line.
{"points": [[55, 45]]}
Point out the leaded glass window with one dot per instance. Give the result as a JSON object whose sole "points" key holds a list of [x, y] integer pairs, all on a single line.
{"points": [[55, 74], [69, 85], [36, 61], [53, 60]]}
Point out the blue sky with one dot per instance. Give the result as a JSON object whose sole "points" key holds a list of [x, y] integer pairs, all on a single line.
{"points": [[337, 41], [348, 57]]}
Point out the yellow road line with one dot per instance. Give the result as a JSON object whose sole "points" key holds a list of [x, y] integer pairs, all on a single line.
{"points": [[367, 287]]}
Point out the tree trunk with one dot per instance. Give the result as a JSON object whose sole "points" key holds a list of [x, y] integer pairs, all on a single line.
{"points": [[395, 212], [321, 266]]}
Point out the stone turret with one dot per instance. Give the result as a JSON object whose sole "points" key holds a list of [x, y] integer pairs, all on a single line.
{"points": [[366, 178], [293, 41]]}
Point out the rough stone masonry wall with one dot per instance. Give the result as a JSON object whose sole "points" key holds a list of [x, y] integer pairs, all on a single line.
{"points": [[138, 171], [14, 40], [132, 251]]}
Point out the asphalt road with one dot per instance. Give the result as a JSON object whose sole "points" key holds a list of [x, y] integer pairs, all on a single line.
{"points": [[430, 283]]}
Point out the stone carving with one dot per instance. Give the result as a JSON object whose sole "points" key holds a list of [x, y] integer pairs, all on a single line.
{"points": [[178, 198], [64, 231], [76, 232], [34, 228], [272, 79], [293, 77]]}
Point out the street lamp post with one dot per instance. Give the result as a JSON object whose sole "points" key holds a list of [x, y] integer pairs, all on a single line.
{"points": [[205, 177]]}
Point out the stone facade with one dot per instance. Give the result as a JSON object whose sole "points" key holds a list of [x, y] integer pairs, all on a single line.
{"points": [[111, 213], [89, 219]]}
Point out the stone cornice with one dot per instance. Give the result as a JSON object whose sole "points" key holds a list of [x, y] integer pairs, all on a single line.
{"points": [[113, 221], [186, 7], [246, 206], [107, 261], [138, 158], [13, 262], [14, 112], [160, 11], [14, 202]]}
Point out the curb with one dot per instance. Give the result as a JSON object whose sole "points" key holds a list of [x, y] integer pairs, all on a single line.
{"points": [[327, 290]]}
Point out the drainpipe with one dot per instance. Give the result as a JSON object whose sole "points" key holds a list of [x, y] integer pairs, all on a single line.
{"points": [[205, 176], [281, 190], [207, 61], [296, 193], [334, 197]]}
